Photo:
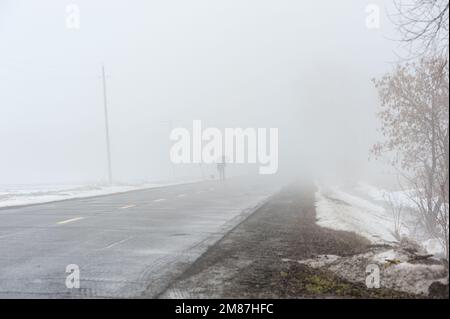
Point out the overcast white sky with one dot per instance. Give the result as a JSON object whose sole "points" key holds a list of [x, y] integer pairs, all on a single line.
{"points": [[302, 66]]}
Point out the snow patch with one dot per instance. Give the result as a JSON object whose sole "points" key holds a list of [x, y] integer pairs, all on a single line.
{"points": [[341, 211], [433, 246], [366, 210], [403, 198], [398, 275], [19, 195]]}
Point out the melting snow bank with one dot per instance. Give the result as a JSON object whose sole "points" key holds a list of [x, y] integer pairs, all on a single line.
{"points": [[341, 211], [365, 212], [404, 264], [398, 270], [11, 196]]}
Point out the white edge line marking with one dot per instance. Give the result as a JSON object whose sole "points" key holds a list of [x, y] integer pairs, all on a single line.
{"points": [[181, 195], [128, 206], [159, 200], [118, 242], [70, 220]]}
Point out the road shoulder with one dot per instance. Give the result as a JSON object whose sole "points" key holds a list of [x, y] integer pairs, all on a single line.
{"points": [[257, 259]]}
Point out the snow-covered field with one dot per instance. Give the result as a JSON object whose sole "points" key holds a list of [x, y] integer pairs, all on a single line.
{"points": [[367, 211], [339, 210], [403, 198], [17, 195]]}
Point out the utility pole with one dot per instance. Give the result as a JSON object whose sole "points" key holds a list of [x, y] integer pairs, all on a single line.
{"points": [[108, 146]]}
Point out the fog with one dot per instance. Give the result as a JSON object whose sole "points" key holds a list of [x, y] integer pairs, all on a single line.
{"points": [[304, 67]]}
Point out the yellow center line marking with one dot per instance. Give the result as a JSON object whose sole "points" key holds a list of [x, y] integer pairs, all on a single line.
{"points": [[128, 206], [70, 220]]}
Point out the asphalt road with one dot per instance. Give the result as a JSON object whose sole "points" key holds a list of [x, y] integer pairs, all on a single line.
{"points": [[125, 245]]}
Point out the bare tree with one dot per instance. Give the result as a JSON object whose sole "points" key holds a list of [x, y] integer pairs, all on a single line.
{"points": [[424, 25], [396, 209], [415, 124]]}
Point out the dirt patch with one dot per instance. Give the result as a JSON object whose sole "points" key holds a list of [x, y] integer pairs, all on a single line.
{"points": [[251, 261]]}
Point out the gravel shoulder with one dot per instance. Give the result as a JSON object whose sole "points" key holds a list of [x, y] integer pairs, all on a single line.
{"points": [[257, 258]]}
